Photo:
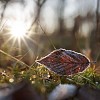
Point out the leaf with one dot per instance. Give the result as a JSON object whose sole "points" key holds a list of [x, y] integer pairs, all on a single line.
{"points": [[65, 62]]}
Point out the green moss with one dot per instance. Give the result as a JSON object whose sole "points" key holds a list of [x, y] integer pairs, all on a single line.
{"points": [[45, 81]]}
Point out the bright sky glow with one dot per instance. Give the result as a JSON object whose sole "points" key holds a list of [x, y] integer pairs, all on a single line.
{"points": [[18, 29]]}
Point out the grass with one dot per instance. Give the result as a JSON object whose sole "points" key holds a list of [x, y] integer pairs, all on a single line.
{"points": [[45, 80]]}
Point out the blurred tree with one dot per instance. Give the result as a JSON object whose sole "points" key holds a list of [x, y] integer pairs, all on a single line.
{"points": [[95, 36]]}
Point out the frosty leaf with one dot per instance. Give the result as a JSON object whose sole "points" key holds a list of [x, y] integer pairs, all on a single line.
{"points": [[65, 62]]}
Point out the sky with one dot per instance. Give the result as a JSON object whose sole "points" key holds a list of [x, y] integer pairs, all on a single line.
{"points": [[19, 15], [18, 12], [52, 11]]}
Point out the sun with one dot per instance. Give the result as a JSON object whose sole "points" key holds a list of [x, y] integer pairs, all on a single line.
{"points": [[18, 35], [18, 30]]}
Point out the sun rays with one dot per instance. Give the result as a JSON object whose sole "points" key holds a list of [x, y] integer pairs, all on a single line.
{"points": [[17, 35], [18, 32]]}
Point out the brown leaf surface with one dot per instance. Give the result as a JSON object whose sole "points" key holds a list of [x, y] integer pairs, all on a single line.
{"points": [[65, 62]]}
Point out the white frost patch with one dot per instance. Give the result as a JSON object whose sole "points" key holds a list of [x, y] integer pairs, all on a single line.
{"points": [[62, 91]]}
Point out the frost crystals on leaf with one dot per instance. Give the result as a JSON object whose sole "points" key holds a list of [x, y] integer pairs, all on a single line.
{"points": [[65, 62]]}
